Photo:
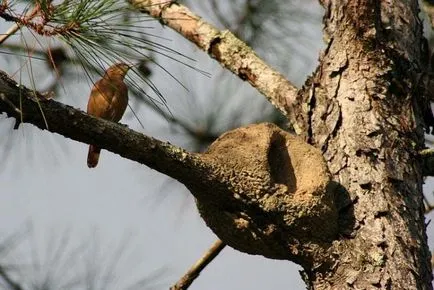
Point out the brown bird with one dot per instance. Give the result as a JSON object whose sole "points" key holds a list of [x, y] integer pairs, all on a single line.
{"points": [[108, 100]]}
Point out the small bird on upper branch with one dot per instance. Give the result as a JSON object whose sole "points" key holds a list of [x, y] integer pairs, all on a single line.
{"points": [[108, 100]]}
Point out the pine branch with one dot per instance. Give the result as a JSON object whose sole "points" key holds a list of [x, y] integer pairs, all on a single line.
{"points": [[226, 48]]}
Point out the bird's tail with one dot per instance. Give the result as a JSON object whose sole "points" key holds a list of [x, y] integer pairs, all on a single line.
{"points": [[93, 156]]}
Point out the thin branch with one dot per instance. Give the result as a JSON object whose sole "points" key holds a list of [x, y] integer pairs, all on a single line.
{"points": [[8, 280], [226, 48], [428, 7], [15, 27], [427, 156], [197, 268], [4, 99], [428, 206]]}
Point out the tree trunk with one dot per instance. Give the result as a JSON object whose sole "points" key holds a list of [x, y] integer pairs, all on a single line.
{"points": [[362, 112]]}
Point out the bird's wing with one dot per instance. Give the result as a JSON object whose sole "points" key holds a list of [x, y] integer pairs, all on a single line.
{"points": [[118, 103], [100, 99]]}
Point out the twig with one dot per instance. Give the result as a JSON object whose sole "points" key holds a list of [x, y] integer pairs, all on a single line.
{"points": [[195, 270], [427, 158], [14, 28], [8, 280], [7, 101], [429, 10]]}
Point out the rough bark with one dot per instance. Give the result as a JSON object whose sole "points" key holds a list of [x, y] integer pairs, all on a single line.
{"points": [[354, 220], [364, 115]]}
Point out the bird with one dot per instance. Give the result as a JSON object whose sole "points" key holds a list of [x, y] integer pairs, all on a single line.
{"points": [[108, 100]]}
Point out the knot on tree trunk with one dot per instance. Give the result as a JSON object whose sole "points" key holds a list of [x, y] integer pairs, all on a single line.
{"points": [[274, 197]]}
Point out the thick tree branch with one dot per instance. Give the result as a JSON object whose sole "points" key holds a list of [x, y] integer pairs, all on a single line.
{"points": [[369, 127], [247, 174], [226, 48], [79, 126]]}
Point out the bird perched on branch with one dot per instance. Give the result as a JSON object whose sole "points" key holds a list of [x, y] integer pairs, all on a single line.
{"points": [[108, 100]]}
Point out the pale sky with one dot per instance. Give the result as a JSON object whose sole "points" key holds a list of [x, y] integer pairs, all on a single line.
{"points": [[48, 190]]}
